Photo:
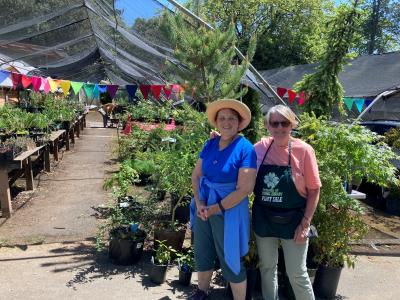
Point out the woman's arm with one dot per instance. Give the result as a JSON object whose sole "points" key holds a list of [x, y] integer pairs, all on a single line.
{"points": [[200, 204], [244, 187], [300, 235]]}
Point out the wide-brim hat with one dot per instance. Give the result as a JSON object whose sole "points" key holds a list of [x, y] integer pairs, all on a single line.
{"points": [[240, 107]]}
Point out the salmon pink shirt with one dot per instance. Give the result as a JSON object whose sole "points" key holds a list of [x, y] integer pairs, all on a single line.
{"points": [[303, 161]]}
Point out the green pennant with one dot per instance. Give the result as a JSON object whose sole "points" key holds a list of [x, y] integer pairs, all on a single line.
{"points": [[88, 90], [76, 86], [359, 103], [349, 102]]}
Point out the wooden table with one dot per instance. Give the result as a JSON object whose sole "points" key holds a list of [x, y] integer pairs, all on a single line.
{"points": [[54, 141], [22, 161]]}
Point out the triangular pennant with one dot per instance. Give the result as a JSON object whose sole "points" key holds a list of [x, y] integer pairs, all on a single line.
{"points": [[131, 89], [348, 102], [4, 75], [368, 102], [102, 88], [112, 90], [281, 91], [46, 85], [359, 103], [65, 86], [16, 79], [76, 86], [88, 88], [301, 98], [167, 92], [36, 83], [96, 92], [291, 95], [26, 81], [156, 90], [53, 84], [145, 90]]}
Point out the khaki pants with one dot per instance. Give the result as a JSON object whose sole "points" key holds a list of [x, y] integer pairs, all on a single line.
{"points": [[295, 262]]}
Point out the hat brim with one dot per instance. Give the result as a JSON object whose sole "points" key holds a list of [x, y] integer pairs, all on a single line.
{"points": [[241, 108]]}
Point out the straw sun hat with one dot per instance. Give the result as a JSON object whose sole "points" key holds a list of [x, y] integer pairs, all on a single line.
{"points": [[240, 107]]}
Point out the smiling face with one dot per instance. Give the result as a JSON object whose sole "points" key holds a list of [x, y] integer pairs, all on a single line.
{"points": [[227, 122], [279, 127]]}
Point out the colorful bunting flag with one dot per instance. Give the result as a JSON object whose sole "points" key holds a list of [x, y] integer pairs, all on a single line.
{"points": [[76, 86], [348, 102], [96, 92], [167, 92], [26, 81], [131, 89], [16, 79], [46, 85], [88, 88], [368, 102], [4, 75], [112, 90], [145, 90], [65, 86], [36, 83], [156, 90], [301, 98], [359, 103], [281, 91], [53, 84], [102, 88], [291, 95]]}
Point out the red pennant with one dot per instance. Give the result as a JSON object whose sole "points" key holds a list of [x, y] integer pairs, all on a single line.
{"points": [[281, 91], [301, 98], [168, 92], [145, 90], [156, 90], [16, 79], [36, 83], [292, 95], [26, 81]]}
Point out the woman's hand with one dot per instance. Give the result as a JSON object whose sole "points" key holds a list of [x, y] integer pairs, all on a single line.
{"points": [[212, 210], [201, 209], [301, 233]]}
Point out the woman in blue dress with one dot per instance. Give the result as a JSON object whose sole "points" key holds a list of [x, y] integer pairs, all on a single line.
{"points": [[222, 179]]}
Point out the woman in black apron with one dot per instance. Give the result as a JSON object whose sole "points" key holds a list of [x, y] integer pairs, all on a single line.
{"points": [[281, 214]]}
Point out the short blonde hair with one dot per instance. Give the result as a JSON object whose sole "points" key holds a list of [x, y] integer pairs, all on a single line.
{"points": [[284, 111]]}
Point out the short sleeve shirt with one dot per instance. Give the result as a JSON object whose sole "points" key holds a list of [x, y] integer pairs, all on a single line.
{"points": [[222, 166]]}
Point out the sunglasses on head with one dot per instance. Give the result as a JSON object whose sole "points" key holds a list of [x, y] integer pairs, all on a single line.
{"points": [[275, 124]]}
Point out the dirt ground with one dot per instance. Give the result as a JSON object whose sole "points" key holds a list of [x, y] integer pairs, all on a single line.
{"points": [[47, 249]]}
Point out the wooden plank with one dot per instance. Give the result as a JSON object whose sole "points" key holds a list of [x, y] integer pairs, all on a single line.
{"points": [[46, 157], [26, 154], [56, 135], [5, 195], [29, 174]]}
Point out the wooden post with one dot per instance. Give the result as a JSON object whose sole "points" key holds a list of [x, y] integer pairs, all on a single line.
{"points": [[46, 157], [78, 128], [72, 134], [55, 149], [66, 138], [28, 174], [5, 196]]}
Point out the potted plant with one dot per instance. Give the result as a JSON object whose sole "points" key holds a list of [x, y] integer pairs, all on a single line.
{"points": [[185, 266], [344, 152], [392, 198], [160, 262]]}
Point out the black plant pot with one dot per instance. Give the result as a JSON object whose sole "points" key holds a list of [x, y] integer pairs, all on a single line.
{"points": [[326, 281], [185, 277], [182, 213], [158, 273], [66, 125], [393, 206], [125, 251]]}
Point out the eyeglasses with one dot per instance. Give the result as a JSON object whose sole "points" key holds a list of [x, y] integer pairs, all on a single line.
{"points": [[283, 124]]}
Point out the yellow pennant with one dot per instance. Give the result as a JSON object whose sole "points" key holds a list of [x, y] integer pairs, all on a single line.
{"points": [[65, 86], [53, 84]]}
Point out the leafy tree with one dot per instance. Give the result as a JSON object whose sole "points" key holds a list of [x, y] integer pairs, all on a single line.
{"points": [[209, 67], [252, 100], [323, 89]]}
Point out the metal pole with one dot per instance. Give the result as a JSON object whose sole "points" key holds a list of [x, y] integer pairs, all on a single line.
{"points": [[240, 54], [377, 98]]}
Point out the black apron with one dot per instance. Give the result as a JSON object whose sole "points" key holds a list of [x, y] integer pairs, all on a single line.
{"points": [[278, 207]]}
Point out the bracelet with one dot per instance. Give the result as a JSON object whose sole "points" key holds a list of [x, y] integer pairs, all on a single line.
{"points": [[221, 208]]}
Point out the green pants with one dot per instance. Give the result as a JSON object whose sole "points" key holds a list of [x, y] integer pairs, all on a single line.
{"points": [[295, 262], [209, 244]]}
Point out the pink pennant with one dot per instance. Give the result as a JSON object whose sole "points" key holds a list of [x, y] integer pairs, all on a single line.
{"points": [[16, 79], [301, 98], [167, 92], [145, 90], [36, 83], [291, 95], [156, 90], [112, 90], [281, 91], [26, 81], [46, 85]]}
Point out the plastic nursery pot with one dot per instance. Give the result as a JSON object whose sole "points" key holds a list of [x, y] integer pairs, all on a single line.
{"points": [[158, 273], [185, 277], [326, 281], [126, 251]]}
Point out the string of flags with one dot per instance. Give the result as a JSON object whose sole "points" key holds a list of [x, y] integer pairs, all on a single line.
{"points": [[292, 95], [359, 102], [92, 90]]}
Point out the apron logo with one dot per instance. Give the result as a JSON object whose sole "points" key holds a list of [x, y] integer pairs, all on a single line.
{"points": [[271, 180]]}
